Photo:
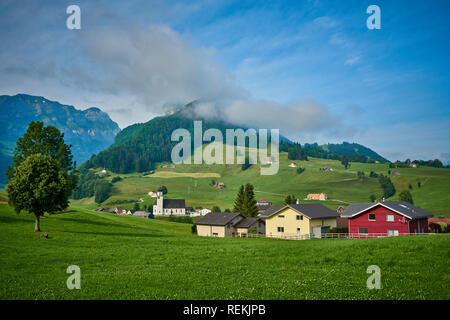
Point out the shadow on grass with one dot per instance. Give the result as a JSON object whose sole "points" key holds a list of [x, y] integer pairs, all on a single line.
{"points": [[96, 223], [16, 219], [120, 234]]}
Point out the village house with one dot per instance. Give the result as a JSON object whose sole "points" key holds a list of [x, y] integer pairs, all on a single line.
{"points": [[243, 227], [189, 210], [262, 205], [202, 211], [293, 165], [219, 185], [298, 220], [153, 194], [142, 214], [120, 210], [227, 224], [387, 218], [167, 207], [317, 196], [340, 209]]}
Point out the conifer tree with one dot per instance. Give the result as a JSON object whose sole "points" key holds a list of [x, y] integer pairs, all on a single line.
{"points": [[238, 203]]}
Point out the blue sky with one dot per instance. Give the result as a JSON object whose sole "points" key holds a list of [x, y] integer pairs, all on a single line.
{"points": [[310, 67]]}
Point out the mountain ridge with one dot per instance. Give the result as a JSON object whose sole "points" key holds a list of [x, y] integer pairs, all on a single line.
{"points": [[137, 147], [89, 131]]}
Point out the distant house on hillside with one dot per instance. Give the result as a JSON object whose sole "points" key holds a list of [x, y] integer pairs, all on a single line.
{"points": [[131, 212], [328, 169], [387, 218], [293, 165], [267, 160], [100, 209], [317, 196], [153, 194], [397, 173], [176, 207], [340, 209], [219, 185]]}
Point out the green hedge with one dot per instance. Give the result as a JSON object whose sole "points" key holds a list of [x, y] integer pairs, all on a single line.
{"points": [[338, 230]]}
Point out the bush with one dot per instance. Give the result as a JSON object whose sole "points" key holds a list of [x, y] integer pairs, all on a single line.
{"points": [[194, 229], [181, 219], [444, 227], [252, 230], [116, 179], [102, 190], [300, 170], [338, 230]]}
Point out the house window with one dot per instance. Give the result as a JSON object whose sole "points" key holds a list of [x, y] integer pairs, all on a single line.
{"points": [[280, 229], [298, 231], [215, 234], [392, 232], [299, 217], [363, 230], [280, 216], [390, 217], [371, 216]]}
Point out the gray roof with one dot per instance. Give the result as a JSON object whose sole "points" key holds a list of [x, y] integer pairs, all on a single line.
{"points": [[174, 204], [355, 208], [312, 211], [217, 218], [247, 222], [401, 207], [270, 210], [141, 214]]}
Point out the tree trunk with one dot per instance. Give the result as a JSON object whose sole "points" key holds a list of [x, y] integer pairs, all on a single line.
{"points": [[36, 224]]}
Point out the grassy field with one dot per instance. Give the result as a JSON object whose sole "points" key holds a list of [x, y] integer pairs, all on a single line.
{"points": [[193, 183], [123, 257]]}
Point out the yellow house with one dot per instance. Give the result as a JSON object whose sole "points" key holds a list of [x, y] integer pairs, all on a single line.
{"points": [[317, 196], [298, 220]]}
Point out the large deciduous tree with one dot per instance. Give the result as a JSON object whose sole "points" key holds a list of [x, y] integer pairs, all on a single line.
{"points": [[39, 185], [49, 141], [39, 144]]}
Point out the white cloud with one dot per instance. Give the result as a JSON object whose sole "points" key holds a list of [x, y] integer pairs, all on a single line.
{"points": [[352, 61]]}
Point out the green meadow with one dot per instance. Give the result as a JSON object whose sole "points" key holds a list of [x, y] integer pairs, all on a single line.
{"points": [[193, 183], [125, 257]]}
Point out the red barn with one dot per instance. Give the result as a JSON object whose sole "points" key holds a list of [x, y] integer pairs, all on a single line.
{"points": [[387, 218]]}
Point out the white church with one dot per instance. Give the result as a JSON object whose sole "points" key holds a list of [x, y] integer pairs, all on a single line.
{"points": [[167, 207]]}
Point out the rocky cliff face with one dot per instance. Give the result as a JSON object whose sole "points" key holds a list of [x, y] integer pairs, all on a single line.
{"points": [[89, 131]]}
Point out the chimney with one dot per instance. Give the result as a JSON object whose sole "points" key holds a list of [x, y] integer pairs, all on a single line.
{"points": [[383, 199], [298, 202]]}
